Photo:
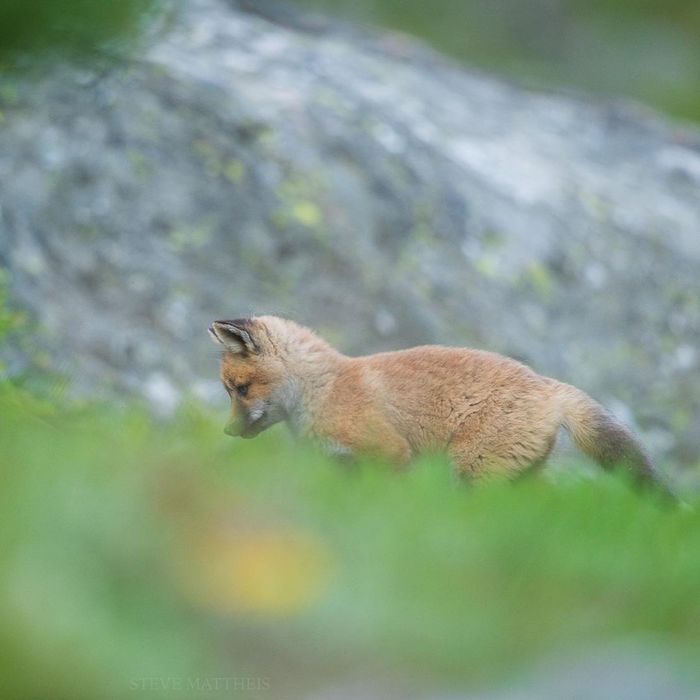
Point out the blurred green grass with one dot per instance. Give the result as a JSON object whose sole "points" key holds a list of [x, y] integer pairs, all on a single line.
{"points": [[134, 549]]}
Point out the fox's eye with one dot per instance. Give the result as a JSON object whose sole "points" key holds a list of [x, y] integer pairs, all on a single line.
{"points": [[242, 389]]}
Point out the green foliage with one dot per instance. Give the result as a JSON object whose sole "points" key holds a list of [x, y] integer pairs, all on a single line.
{"points": [[135, 550], [72, 26], [9, 319], [647, 50]]}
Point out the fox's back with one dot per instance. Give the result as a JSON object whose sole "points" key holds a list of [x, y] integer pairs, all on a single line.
{"points": [[458, 373], [430, 391]]}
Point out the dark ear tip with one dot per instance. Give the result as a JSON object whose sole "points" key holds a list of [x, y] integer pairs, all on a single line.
{"points": [[237, 331], [235, 323], [219, 326]]}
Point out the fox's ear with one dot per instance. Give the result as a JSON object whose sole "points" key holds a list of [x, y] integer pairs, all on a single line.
{"points": [[235, 336]]}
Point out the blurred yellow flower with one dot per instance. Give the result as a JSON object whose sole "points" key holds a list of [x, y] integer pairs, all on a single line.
{"points": [[272, 572]]}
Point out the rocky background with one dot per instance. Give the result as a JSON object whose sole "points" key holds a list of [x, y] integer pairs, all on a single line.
{"points": [[255, 160]]}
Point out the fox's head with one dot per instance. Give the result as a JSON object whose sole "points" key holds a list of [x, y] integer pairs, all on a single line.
{"points": [[265, 363]]}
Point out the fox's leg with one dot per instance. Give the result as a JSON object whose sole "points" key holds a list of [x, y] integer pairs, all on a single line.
{"points": [[401, 455], [337, 450], [342, 455], [493, 458], [536, 466], [381, 442], [397, 452], [394, 449], [472, 460]]}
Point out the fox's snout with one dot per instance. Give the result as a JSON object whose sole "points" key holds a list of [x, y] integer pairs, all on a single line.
{"points": [[245, 431], [247, 424], [232, 429]]}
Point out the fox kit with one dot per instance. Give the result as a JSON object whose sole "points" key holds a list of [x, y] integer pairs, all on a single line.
{"points": [[492, 415]]}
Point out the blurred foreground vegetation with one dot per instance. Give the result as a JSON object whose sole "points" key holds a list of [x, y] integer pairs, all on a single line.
{"points": [[145, 558]]}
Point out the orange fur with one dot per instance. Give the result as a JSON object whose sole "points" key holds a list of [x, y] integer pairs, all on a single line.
{"points": [[491, 414]]}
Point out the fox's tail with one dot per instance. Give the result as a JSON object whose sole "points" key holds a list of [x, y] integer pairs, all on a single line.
{"points": [[597, 433]]}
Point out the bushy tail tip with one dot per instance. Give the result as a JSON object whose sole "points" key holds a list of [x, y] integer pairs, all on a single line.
{"points": [[597, 433]]}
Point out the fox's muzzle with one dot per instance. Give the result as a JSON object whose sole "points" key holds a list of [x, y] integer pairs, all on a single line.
{"points": [[247, 426], [232, 429], [246, 430]]}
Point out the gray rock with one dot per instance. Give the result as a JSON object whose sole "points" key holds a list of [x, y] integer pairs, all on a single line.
{"points": [[620, 673], [629, 672], [359, 183]]}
